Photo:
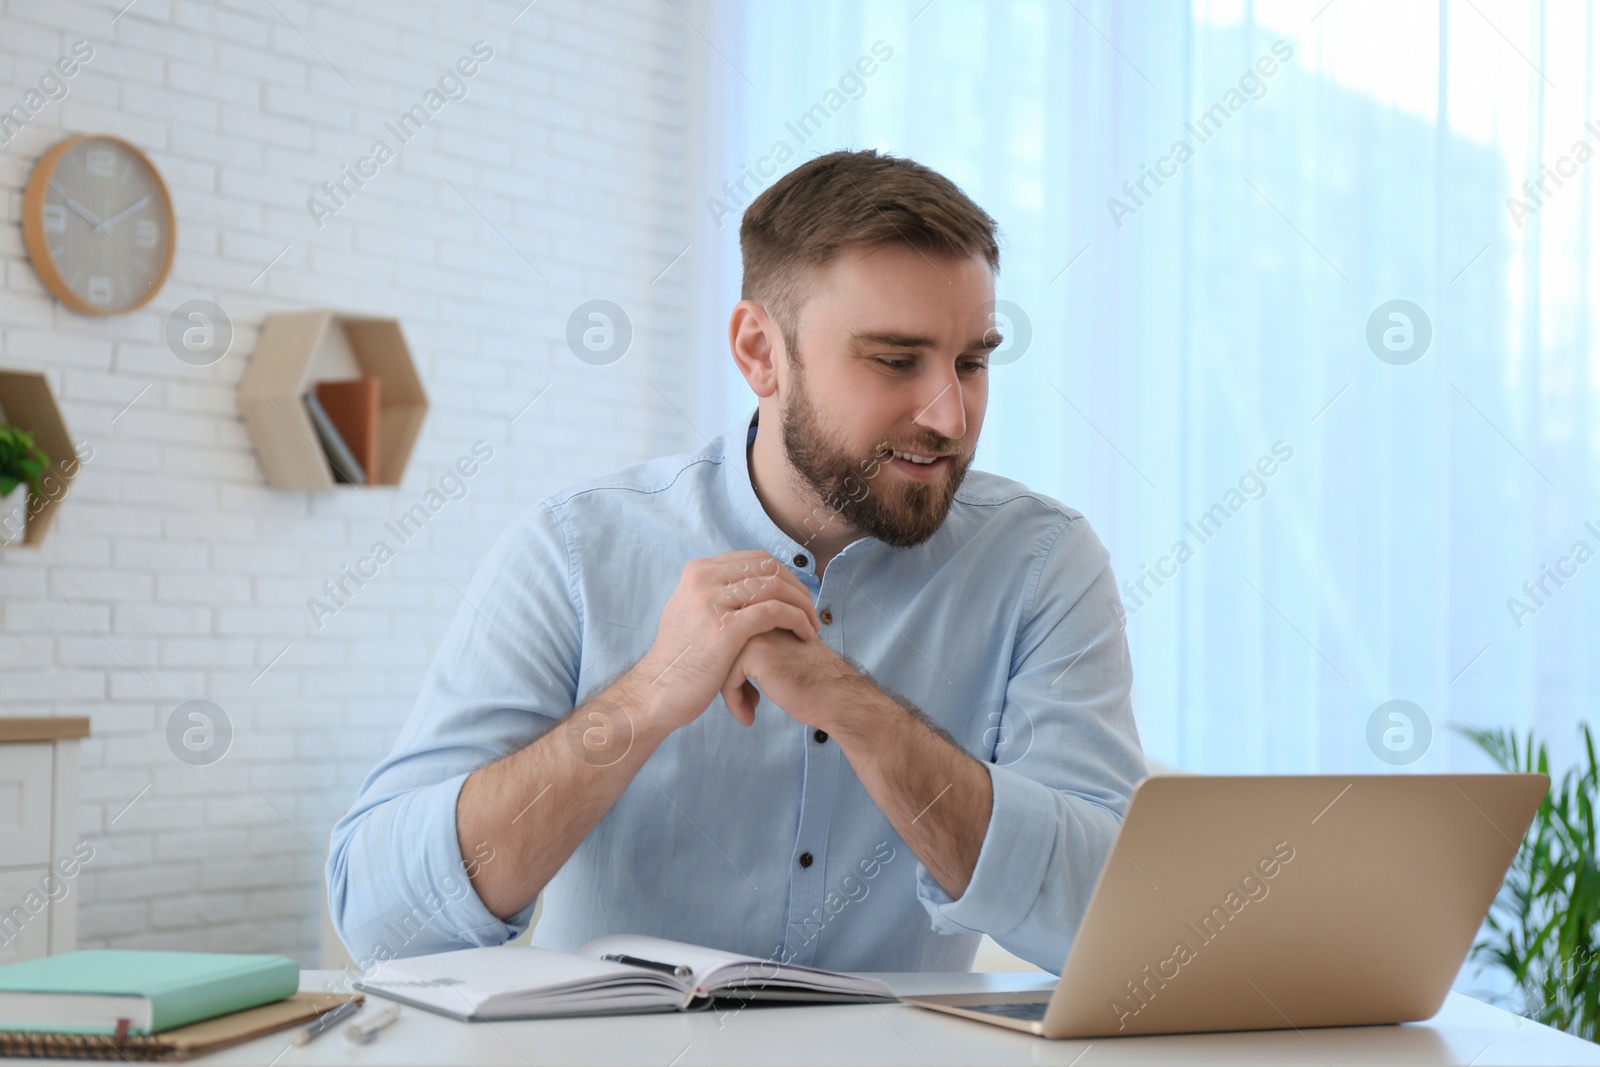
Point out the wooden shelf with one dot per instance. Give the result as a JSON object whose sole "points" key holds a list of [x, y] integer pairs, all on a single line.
{"points": [[64, 729], [288, 361], [28, 404]]}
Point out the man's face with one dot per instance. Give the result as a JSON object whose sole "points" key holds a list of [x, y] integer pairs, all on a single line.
{"points": [[893, 353]]}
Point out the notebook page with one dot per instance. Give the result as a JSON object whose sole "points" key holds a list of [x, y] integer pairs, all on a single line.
{"points": [[714, 968], [477, 981], [705, 962]]}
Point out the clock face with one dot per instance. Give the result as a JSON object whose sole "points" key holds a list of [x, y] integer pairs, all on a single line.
{"points": [[98, 225]]}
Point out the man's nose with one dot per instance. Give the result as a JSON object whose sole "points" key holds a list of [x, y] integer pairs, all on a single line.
{"points": [[944, 411]]}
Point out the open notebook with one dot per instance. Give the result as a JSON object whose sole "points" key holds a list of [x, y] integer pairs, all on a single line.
{"points": [[513, 982]]}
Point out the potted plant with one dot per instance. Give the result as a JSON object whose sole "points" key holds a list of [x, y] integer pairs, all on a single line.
{"points": [[1543, 923], [21, 461]]}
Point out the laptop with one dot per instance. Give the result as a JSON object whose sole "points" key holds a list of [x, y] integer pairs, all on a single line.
{"points": [[1264, 903]]}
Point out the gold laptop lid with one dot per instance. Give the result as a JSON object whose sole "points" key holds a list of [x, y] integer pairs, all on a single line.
{"points": [[1244, 903]]}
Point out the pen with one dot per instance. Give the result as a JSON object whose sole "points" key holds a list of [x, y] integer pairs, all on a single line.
{"points": [[678, 970], [326, 1021], [361, 1033]]}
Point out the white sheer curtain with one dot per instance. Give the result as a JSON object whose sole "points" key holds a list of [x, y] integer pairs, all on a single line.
{"points": [[1200, 369]]}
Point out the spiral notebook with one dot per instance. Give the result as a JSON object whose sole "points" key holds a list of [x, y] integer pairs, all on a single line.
{"points": [[647, 974], [182, 1043]]}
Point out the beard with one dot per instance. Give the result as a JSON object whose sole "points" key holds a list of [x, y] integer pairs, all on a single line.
{"points": [[857, 488]]}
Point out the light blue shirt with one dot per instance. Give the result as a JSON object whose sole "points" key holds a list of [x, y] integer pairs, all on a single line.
{"points": [[1004, 628]]}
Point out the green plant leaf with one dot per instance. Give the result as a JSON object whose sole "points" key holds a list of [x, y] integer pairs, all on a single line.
{"points": [[21, 461], [1543, 922]]}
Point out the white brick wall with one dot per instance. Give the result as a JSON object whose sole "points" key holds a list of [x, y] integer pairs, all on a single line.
{"points": [[172, 573]]}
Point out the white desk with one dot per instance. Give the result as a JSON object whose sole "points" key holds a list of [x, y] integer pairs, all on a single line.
{"points": [[1465, 1031]]}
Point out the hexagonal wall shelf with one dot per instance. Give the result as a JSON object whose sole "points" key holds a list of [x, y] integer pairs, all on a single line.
{"points": [[296, 350], [27, 403]]}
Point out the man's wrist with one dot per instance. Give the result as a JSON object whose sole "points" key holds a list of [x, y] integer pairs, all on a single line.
{"points": [[865, 715], [637, 698]]}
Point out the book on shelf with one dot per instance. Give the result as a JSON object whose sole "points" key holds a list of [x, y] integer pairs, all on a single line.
{"points": [[352, 405], [346, 468], [515, 982]]}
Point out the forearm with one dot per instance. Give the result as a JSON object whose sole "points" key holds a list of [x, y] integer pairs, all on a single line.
{"points": [[532, 809], [933, 793]]}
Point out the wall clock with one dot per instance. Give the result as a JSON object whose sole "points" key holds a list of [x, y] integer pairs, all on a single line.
{"points": [[97, 224]]}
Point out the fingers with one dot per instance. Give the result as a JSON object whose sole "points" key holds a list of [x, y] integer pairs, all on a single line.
{"points": [[754, 577], [738, 557], [754, 568], [721, 602], [741, 697], [730, 607], [767, 615], [745, 563]]}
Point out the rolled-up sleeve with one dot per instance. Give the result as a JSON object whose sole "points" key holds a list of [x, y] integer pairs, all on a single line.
{"points": [[1065, 763], [506, 671]]}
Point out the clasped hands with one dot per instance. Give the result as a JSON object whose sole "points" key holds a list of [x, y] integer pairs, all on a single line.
{"points": [[735, 621]]}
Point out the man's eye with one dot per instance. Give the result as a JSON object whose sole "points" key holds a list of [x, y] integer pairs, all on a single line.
{"points": [[975, 364], [897, 364]]}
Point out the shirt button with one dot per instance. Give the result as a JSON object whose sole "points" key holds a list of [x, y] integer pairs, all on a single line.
{"points": [[821, 736], [800, 560], [827, 616], [805, 859]]}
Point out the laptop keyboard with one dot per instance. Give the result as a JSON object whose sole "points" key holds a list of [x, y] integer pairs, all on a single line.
{"points": [[1029, 1010]]}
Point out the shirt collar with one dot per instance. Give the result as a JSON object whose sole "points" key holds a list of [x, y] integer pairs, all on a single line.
{"points": [[748, 507]]}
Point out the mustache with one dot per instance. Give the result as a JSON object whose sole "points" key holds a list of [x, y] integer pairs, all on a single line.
{"points": [[944, 449]]}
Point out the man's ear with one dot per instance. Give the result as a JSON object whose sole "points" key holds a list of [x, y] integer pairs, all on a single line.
{"points": [[757, 346]]}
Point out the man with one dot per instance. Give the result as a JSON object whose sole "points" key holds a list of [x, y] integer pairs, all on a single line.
{"points": [[840, 705]]}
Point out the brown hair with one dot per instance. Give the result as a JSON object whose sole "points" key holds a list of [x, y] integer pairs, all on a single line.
{"points": [[844, 201]]}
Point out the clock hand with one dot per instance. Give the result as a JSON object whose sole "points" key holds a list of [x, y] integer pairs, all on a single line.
{"points": [[124, 213], [88, 216]]}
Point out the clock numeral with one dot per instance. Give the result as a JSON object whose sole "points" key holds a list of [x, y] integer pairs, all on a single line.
{"points": [[55, 218], [102, 163], [99, 289], [146, 234]]}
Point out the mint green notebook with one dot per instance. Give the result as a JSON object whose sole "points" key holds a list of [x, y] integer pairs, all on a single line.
{"points": [[87, 992]]}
